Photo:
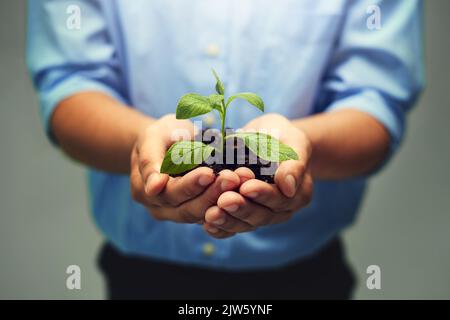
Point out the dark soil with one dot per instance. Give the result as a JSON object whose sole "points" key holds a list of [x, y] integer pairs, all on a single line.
{"points": [[239, 159]]}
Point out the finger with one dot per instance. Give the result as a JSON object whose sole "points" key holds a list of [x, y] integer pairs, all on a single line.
{"points": [[193, 211], [282, 217], [307, 189], [155, 183], [165, 213], [218, 218], [244, 174], [268, 195], [152, 148], [227, 180], [215, 232], [240, 208], [150, 156], [187, 187], [289, 175], [136, 183]]}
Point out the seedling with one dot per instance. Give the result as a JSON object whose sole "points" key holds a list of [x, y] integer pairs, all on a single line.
{"points": [[184, 156]]}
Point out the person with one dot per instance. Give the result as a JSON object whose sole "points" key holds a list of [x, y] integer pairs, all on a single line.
{"points": [[335, 87]]}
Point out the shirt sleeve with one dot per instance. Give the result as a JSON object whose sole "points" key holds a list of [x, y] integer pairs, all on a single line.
{"points": [[69, 50], [377, 70]]}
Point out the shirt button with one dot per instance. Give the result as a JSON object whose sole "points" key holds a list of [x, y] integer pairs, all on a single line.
{"points": [[208, 249], [209, 120], [212, 50]]}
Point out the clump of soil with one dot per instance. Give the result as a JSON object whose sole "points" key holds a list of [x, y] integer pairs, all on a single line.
{"points": [[238, 162], [241, 157]]}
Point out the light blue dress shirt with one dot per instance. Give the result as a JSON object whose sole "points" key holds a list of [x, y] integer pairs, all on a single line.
{"points": [[301, 56]]}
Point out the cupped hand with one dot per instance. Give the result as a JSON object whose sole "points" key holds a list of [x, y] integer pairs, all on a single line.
{"points": [[258, 203], [181, 199]]}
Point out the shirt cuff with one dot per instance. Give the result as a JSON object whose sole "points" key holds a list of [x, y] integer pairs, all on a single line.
{"points": [[50, 99], [388, 113]]}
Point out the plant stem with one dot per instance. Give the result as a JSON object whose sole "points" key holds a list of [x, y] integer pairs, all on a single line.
{"points": [[224, 113]]}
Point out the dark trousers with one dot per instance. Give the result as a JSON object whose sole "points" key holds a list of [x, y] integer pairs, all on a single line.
{"points": [[324, 275]]}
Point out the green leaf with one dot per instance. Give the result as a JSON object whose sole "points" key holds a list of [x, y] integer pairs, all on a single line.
{"points": [[216, 101], [265, 146], [250, 97], [192, 105], [220, 89], [183, 156]]}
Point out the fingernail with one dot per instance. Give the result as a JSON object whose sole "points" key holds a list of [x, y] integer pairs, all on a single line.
{"points": [[157, 167], [224, 185], [291, 184], [219, 221], [232, 208], [205, 180], [252, 195], [150, 178], [213, 230]]}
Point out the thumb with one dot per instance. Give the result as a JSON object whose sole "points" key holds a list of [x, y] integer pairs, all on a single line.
{"points": [[150, 156]]}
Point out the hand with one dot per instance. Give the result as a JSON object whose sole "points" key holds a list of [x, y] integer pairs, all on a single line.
{"points": [[182, 199], [258, 203]]}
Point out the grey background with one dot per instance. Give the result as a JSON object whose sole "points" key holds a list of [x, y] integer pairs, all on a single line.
{"points": [[45, 225]]}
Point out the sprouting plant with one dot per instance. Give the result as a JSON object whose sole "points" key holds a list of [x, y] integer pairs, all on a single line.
{"points": [[183, 156]]}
